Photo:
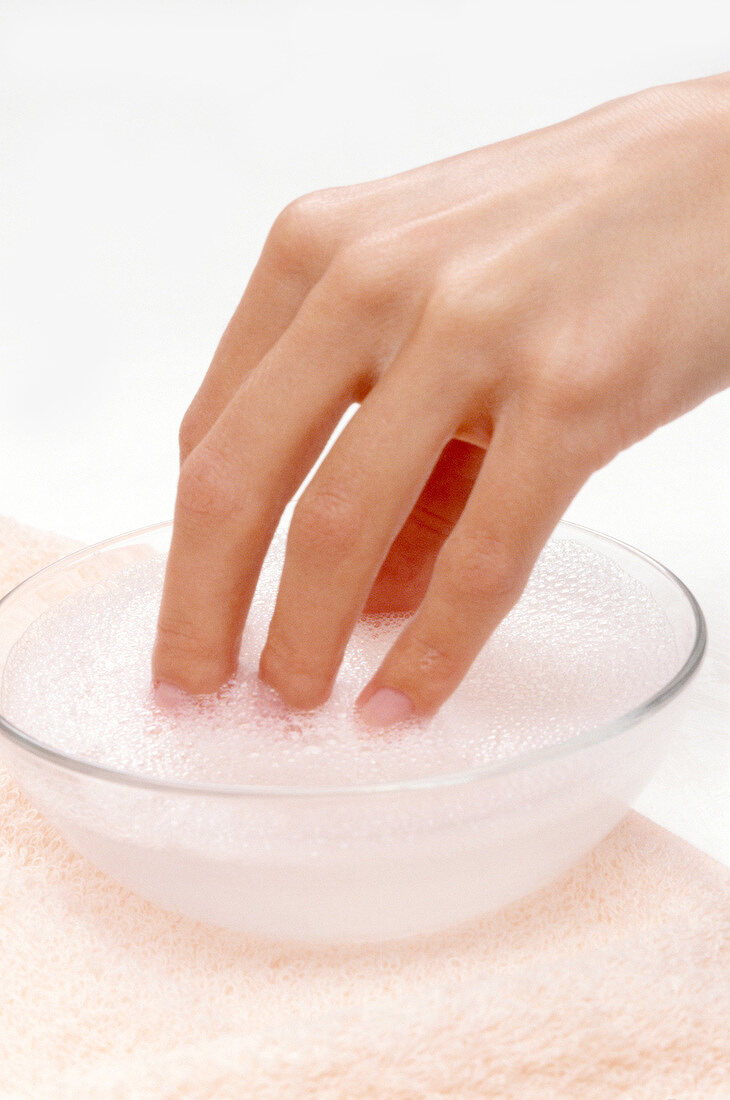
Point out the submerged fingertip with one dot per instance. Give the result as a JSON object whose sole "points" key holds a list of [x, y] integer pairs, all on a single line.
{"points": [[169, 696], [386, 707]]}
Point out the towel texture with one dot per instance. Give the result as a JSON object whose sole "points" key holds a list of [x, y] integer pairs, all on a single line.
{"points": [[615, 982]]}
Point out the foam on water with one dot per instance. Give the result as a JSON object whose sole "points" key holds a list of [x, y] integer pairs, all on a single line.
{"points": [[585, 644]]}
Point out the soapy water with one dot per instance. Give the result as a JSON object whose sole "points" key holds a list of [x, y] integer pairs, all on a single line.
{"points": [[585, 644]]}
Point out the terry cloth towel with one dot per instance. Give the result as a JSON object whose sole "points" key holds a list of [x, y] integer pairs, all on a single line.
{"points": [[614, 982]]}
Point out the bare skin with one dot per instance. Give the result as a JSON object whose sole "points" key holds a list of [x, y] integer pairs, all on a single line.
{"points": [[508, 321]]}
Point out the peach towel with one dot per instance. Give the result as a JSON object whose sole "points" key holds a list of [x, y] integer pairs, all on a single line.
{"points": [[615, 982]]}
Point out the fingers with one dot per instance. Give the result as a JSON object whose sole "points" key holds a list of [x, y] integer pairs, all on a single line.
{"points": [[268, 306], [345, 522], [295, 255], [233, 488], [525, 484], [404, 575]]}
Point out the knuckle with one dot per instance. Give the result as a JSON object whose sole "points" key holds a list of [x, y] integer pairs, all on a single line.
{"points": [[567, 395], [450, 311], [430, 663], [484, 570], [327, 521], [293, 675], [362, 276], [567, 371], [178, 639], [189, 433], [432, 524], [571, 385], [471, 304], [186, 658], [301, 236], [208, 485]]}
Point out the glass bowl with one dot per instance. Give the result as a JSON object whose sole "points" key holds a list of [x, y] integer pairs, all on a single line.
{"points": [[358, 863]]}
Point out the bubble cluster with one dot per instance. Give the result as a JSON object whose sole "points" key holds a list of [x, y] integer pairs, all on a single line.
{"points": [[585, 643]]}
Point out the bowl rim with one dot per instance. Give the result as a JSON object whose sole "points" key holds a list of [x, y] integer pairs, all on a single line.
{"points": [[590, 737]]}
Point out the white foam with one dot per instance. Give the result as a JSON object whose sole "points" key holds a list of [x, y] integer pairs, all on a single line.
{"points": [[585, 644]]}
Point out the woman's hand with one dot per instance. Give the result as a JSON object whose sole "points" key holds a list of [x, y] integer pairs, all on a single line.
{"points": [[508, 320]]}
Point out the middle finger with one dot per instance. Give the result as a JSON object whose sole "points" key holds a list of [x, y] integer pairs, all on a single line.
{"points": [[347, 519]]}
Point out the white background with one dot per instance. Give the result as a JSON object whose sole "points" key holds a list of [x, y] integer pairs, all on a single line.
{"points": [[145, 149]]}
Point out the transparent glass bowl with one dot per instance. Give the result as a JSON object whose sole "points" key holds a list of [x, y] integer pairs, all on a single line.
{"points": [[361, 863]]}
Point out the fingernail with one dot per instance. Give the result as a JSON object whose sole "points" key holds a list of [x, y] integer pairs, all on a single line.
{"points": [[169, 696], [386, 707]]}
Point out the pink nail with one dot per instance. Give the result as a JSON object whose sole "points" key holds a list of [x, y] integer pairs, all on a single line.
{"points": [[170, 697], [386, 707]]}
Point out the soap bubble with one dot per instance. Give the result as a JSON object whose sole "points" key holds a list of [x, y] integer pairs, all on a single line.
{"points": [[585, 644]]}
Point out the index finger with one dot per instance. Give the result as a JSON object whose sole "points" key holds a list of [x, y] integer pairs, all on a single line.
{"points": [[234, 486], [294, 257]]}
